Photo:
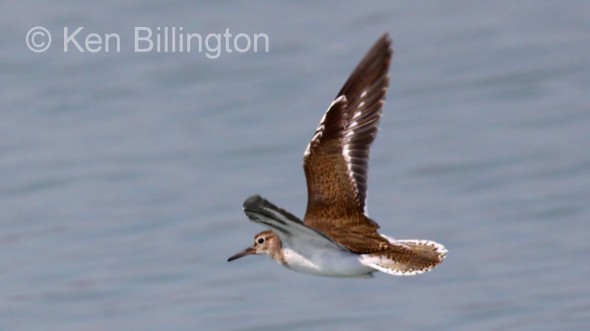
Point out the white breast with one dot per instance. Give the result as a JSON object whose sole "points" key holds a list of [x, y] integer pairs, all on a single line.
{"points": [[326, 262]]}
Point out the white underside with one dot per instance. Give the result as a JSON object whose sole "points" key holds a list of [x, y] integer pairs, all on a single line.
{"points": [[326, 262], [329, 261]]}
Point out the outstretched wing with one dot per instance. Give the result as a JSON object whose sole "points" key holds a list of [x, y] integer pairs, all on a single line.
{"points": [[336, 159]]}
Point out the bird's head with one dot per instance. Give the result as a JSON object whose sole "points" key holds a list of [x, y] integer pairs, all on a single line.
{"points": [[266, 242]]}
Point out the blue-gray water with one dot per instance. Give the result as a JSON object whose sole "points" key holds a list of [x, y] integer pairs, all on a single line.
{"points": [[122, 175]]}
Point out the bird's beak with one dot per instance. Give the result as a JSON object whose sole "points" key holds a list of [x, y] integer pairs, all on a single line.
{"points": [[247, 251]]}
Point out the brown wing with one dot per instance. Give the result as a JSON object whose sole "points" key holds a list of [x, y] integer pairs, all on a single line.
{"points": [[336, 159]]}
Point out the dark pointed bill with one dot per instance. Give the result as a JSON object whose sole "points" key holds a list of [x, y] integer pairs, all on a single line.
{"points": [[247, 251]]}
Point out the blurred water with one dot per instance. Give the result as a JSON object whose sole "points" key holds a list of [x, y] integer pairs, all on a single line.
{"points": [[123, 174]]}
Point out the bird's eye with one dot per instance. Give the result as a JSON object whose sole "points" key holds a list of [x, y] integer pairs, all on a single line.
{"points": [[260, 240]]}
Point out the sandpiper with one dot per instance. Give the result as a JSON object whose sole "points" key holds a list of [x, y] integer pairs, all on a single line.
{"points": [[336, 237]]}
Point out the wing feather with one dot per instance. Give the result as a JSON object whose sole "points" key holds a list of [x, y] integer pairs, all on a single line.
{"points": [[336, 159]]}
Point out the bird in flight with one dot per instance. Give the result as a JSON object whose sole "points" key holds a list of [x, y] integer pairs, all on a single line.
{"points": [[337, 238]]}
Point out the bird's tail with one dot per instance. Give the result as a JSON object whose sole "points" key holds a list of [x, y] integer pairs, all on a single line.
{"points": [[407, 257]]}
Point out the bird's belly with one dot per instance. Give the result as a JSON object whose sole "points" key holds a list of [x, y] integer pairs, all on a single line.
{"points": [[329, 263]]}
